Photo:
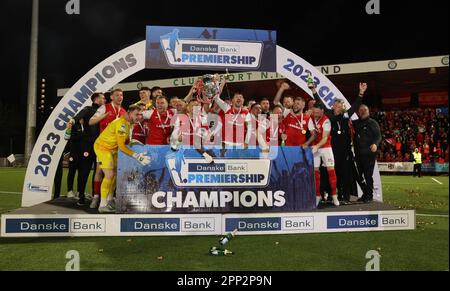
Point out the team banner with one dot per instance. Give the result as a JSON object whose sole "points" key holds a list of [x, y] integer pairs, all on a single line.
{"points": [[205, 48], [237, 181]]}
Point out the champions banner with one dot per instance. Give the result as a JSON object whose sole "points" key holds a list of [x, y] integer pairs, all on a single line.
{"points": [[237, 181], [206, 48]]}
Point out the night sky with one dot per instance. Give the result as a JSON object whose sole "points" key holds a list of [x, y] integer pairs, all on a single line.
{"points": [[322, 32]]}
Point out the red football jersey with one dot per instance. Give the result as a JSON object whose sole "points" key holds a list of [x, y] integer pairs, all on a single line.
{"points": [[319, 127], [115, 113], [140, 131], [273, 134], [189, 129], [234, 125], [159, 126], [295, 128]]}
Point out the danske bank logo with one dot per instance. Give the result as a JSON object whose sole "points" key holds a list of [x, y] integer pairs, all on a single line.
{"points": [[210, 53], [223, 173]]}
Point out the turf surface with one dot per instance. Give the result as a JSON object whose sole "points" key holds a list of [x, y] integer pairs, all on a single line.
{"points": [[426, 248]]}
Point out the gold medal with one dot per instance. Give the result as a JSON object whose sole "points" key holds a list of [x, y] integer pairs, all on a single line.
{"points": [[303, 132]]}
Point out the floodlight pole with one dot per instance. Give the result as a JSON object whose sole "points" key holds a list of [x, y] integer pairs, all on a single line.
{"points": [[32, 83]]}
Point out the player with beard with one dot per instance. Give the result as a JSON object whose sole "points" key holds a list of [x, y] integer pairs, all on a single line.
{"points": [[233, 120], [113, 138], [159, 122], [257, 126], [288, 101], [105, 115], [296, 124]]}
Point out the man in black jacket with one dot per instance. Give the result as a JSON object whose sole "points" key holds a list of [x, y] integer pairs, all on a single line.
{"points": [[367, 140], [89, 134], [342, 142]]}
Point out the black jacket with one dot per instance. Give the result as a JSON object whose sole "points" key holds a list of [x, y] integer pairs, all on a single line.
{"points": [[90, 133], [340, 123], [367, 133]]}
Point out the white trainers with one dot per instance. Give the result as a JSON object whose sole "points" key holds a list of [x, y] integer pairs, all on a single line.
{"points": [[335, 200], [70, 194], [107, 209], [94, 203], [112, 202], [88, 196], [318, 198]]}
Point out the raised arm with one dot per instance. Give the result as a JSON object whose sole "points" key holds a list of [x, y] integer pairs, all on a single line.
{"points": [[277, 99], [222, 85], [222, 104], [319, 100], [358, 100], [188, 97]]}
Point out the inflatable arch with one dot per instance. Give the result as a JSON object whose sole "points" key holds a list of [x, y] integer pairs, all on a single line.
{"points": [[49, 147]]}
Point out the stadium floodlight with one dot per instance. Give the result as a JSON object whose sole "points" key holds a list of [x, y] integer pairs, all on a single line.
{"points": [[32, 83]]}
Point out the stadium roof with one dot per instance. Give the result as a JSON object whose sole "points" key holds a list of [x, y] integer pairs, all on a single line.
{"points": [[412, 75]]}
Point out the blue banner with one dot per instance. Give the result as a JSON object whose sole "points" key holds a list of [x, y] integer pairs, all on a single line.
{"points": [[435, 168], [206, 48], [237, 181]]}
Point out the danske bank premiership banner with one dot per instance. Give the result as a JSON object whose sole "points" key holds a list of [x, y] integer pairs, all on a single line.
{"points": [[206, 48], [237, 181]]}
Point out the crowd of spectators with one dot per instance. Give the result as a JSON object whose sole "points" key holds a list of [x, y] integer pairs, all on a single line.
{"points": [[404, 131]]}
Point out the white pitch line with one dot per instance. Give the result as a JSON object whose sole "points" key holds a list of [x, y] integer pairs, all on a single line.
{"points": [[432, 215], [393, 183], [15, 193], [437, 181]]}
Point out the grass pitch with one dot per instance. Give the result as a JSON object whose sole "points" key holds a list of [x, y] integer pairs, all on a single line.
{"points": [[426, 248]]}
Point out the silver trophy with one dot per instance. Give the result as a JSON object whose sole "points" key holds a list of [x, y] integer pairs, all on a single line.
{"points": [[210, 86]]}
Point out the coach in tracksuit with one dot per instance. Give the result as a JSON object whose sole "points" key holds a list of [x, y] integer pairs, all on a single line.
{"points": [[342, 143], [87, 157]]}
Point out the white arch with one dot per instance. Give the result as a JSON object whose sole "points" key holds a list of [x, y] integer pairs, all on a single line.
{"points": [[40, 175]]}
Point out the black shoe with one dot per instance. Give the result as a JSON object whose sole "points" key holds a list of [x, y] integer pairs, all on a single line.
{"points": [[81, 202], [321, 206], [365, 199], [345, 202]]}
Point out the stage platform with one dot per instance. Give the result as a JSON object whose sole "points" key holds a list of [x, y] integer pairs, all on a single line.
{"points": [[62, 217]]}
